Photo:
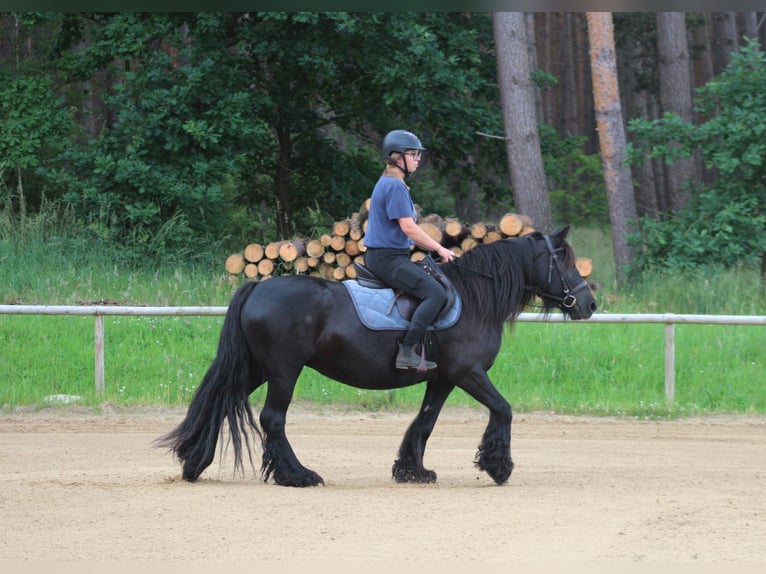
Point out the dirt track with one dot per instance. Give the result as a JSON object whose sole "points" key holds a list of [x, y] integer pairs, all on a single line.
{"points": [[90, 487]]}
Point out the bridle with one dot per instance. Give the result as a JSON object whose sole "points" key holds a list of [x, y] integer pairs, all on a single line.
{"points": [[568, 300]]}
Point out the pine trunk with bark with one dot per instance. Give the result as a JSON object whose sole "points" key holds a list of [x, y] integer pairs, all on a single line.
{"points": [[675, 97], [518, 102], [611, 134]]}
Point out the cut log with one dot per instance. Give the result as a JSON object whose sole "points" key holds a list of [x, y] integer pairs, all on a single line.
{"points": [[342, 259], [324, 270], [271, 251], [355, 233], [468, 243], [364, 211], [254, 252], [341, 227], [478, 230], [338, 242], [314, 248], [301, 265], [339, 273], [251, 270], [352, 247], [292, 249], [265, 267], [235, 263], [432, 230], [584, 266], [455, 229], [355, 227], [492, 236], [511, 224], [527, 225]]}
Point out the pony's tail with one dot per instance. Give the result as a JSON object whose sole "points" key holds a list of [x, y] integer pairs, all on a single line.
{"points": [[222, 394]]}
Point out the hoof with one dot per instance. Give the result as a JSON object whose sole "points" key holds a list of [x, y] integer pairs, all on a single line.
{"points": [[403, 474], [311, 478]]}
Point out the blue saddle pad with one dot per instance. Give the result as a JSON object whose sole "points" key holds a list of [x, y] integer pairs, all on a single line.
{"points": [[377, 311]]}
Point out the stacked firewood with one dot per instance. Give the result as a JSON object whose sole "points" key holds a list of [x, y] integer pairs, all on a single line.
{"points": [[332, 255]]}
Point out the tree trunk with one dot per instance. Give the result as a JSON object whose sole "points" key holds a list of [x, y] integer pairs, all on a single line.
{"points": [[568, 87], [646, 190], [702, 70], [611, 134], [543, 31], [724, 39], [675, 96], [529, 22], [582, 85], [702, 60], [282, 185], [747, 24], [518, 102]]}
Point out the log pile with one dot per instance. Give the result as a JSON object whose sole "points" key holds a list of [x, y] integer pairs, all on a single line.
{"points": [[333, 254]]}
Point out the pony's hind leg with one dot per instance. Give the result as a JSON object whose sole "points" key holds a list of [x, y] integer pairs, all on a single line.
{"points": [[279, 460], [408, 467]]}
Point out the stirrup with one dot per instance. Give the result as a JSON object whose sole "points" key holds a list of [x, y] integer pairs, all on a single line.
{"points": [[411, 360]]}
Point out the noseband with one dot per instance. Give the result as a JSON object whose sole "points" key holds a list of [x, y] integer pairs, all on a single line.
{"points": [[568, 300]]}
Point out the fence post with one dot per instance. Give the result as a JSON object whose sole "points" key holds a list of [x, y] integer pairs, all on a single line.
{"points": [[99, 347], [670, 362]]}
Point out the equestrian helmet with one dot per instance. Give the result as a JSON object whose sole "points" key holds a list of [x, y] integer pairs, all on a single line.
{"points": [[400, 141]]}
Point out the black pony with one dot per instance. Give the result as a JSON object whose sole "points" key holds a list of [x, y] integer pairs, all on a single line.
{"points": [[275, 328]]}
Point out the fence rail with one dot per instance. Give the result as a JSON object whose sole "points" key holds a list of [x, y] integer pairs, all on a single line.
{"points": [[670, 320]]}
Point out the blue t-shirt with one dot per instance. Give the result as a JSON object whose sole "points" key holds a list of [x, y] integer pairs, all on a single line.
{"points": [[390, 201]]}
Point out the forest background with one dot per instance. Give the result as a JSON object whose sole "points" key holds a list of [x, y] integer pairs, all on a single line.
{"points": [[166, 137]]}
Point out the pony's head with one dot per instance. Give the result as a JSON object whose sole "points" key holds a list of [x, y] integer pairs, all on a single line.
{"points": [[556, 279]]}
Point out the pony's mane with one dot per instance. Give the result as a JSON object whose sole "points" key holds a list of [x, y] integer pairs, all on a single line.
{"points": [[490, 279]]}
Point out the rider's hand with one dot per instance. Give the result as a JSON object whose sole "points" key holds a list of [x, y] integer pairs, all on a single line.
{"points": [[445, 254]]}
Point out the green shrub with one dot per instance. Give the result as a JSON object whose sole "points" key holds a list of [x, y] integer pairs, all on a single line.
{"points": [[725, 220]]}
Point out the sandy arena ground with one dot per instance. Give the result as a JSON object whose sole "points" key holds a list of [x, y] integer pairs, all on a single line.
{"points": [[78, 486]]}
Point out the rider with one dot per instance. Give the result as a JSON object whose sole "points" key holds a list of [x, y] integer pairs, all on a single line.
{"points": [[391, 230]]}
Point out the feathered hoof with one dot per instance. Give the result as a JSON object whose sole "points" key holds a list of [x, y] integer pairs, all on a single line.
{"points": [[499, 469], [308, 478], [403, 473]]}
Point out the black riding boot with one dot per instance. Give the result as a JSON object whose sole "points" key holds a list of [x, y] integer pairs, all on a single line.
{"points": [[407, 358]]}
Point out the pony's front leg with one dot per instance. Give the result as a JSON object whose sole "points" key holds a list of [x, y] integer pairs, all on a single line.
{"points": [[494, 453], [279, 460], [408, 467]]}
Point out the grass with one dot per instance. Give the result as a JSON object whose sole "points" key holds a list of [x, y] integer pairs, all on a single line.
{"points": [[575, 368]]}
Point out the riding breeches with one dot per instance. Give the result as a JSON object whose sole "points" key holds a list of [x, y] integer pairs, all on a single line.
{"points": [[394, 267]]}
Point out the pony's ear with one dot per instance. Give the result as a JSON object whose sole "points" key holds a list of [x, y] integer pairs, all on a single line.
{"points": [[561, 233]]}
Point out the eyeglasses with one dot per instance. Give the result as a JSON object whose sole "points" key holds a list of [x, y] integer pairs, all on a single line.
{"points": [[414, 154]]}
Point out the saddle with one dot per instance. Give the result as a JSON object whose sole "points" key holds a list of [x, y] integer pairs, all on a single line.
{"points": [[406, 303]]}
